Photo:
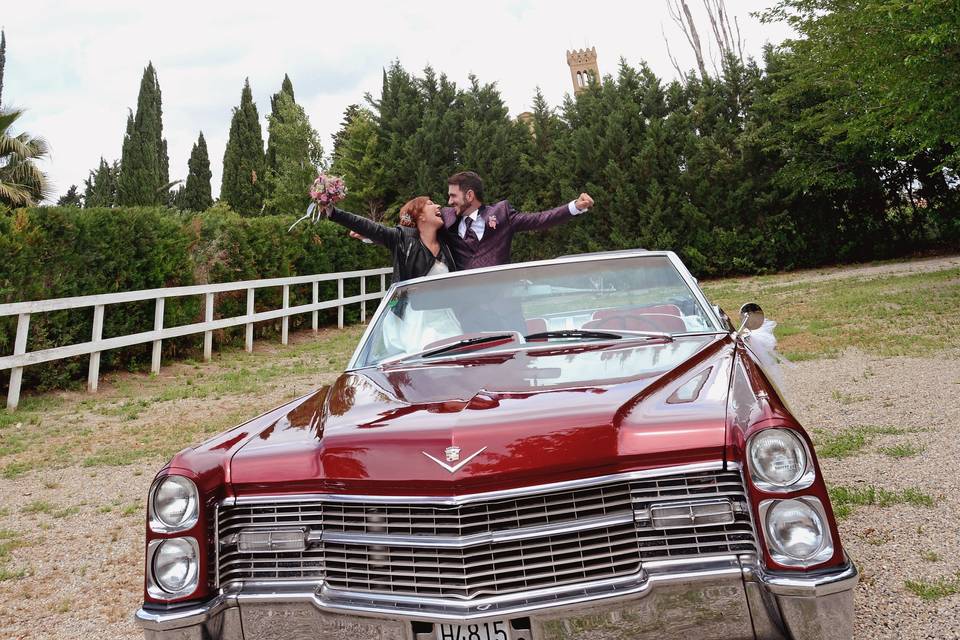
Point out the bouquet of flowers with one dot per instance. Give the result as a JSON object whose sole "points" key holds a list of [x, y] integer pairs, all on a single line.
{"points": [[324, 192]]}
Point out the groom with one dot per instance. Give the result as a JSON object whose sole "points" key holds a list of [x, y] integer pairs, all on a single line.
{"points": [[481, 235]]}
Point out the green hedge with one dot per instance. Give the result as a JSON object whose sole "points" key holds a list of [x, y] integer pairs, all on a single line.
{"points": [[56, 252]]}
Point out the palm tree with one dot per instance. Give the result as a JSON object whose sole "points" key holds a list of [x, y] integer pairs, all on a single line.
{"points": [[22, 184]]}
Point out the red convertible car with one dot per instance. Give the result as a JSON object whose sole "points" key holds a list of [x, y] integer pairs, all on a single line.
{"points": [[572, 448]]}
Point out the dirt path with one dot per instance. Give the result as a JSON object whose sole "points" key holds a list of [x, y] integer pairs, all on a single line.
{"points": [[72, 522]]}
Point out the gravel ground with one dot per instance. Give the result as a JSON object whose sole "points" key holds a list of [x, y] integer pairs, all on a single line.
{"points": [[81, 528]]}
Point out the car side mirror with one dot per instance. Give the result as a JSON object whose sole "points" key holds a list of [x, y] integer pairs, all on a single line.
{"points": [[751, 317]]}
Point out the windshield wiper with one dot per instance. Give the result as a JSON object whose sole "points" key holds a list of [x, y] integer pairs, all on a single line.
{"points": [[466, 342], [599, 335]]}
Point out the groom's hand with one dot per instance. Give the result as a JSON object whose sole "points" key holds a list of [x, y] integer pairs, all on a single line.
{"points": [[584, 202]]}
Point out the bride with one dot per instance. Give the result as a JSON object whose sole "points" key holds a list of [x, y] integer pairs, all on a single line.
{"points": [[417, 244]]}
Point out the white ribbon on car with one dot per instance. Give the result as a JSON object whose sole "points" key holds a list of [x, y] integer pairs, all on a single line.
{"points": [[764, 345]]}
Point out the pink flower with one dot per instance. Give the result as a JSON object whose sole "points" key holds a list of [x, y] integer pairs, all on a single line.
{"points": [[492, 223]]}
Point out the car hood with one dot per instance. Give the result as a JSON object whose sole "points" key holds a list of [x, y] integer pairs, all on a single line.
{"points": [[485, 421]]}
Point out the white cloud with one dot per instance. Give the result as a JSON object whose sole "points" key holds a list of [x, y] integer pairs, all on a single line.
{"points": [[77, 68]]}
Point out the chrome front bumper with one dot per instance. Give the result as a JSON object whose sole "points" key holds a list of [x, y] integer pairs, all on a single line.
{"points": [[724, 597]]}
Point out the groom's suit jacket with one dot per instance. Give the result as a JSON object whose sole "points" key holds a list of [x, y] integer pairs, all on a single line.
{"points": [[494, 247]]}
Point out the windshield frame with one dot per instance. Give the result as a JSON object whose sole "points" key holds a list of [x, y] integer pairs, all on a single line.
{"points": [[685, 275]]}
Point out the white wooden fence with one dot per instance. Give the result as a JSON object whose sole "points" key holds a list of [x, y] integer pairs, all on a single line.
{"points": [[23, 310]]}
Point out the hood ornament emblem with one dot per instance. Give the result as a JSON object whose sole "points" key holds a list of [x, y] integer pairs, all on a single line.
{"points": [[453, 454]]}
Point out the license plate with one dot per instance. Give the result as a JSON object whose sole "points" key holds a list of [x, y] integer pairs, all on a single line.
{"points": [[495, 630]]}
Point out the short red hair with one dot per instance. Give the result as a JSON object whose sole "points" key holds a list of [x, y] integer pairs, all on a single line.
{"points": [[410, 212]]}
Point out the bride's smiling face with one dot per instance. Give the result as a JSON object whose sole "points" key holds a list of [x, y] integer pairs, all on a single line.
{"points": [[430, 216]]}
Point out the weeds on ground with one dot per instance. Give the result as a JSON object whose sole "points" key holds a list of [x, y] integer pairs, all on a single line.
{"points": [[902, 451], [844, 499], [934, 589], [848, 442]]}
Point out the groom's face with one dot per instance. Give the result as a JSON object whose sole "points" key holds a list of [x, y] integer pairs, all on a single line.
{"points": [[460, 200]]}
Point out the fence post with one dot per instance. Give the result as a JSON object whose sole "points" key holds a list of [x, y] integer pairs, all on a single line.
{"points": [[383, 283], [208, 335], [340, 300], [19, 348], [316, 299], [249, 341], [93, 375], [363, 302], [157, 326], [285, 321]]}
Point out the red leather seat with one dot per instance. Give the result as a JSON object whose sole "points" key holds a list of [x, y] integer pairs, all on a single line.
{"points": [[536, 325], [664, 317]]}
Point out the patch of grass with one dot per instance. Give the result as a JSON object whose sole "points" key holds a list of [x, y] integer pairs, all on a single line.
{"points": [[15, 574], [845, 499], [131, 509], [117, 456], [65, 512], [847, 398], [16, 469], [934, 589], [848, 442], [930, 556], [902, 451], [39, 506]]}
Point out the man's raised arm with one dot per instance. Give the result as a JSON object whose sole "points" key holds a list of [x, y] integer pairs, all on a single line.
{"points": [[551, 217]]}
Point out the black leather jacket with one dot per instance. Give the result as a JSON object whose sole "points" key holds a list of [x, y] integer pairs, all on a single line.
{"points": [[411, 258]]}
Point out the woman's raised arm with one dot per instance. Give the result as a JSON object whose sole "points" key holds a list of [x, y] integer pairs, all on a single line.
{"points": [[387, 236]]}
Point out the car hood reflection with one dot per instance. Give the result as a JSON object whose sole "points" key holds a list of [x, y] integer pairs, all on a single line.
{"points": [[547, 411]]}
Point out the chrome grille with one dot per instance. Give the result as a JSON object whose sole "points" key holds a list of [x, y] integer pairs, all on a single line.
{"points": [[485, 569], [487, 547]]}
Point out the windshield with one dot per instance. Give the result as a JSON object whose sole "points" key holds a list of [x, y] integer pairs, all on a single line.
{"points": [[637, 295]]}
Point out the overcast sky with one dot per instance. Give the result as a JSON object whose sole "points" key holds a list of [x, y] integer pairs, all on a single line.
{"points": [[76, 67]]}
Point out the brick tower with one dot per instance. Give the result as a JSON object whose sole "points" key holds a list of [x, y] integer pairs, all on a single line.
{"points": [[583, 68]]}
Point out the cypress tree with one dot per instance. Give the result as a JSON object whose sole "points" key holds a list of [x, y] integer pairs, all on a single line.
{"points": [[100, 189], [3, 60], [145, 165], [71, 198], [196, 193], [298, 156], [243, 159], [286, 87]]}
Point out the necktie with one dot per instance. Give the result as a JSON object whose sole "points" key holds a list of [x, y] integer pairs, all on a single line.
{"points": [[470, 237]]}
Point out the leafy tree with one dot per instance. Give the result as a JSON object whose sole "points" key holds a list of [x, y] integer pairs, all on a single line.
{"points": [[22, 183], [71, 198], [195, 194], [492, 142], [360, 166], [100, 188], [890, 67], [144, 179], [297, 156], [397, 114], [243, 159], [348, 115]]}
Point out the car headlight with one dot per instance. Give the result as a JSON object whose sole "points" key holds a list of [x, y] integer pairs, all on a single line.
{"points": [[174, 505], [796, 531], [173, 567], [779, 461]]}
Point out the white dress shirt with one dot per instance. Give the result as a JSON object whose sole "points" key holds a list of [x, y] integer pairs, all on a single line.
{"points": [[479, 225]]}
